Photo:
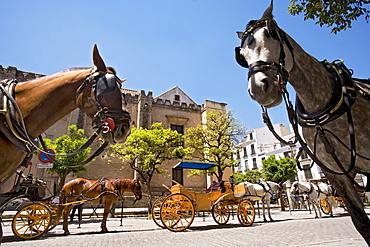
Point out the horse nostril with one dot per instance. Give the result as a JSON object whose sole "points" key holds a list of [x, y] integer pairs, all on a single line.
{"points": [[265, 84], [251, 95]]}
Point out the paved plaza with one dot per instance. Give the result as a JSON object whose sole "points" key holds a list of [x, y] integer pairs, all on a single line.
{"points": [[296, 228]]}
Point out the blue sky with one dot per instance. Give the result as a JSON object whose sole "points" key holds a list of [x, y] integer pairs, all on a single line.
{"points": [[159, 44]]}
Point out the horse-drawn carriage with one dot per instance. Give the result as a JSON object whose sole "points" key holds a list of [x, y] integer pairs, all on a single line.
{"points": [[34, 216], [37, 215], [176, 212]]}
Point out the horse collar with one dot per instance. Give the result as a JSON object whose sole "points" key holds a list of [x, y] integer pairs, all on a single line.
{"points": [[14, 129], [337, 107]]}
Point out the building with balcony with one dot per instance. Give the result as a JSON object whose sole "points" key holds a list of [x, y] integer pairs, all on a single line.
{"points": [[260, 143]]}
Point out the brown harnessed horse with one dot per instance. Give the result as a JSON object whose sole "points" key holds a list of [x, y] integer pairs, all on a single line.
{"points": [[103, 191], [28, 109]]}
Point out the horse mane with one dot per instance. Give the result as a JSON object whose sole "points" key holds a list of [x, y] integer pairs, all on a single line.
{"points": [[60, 73]]}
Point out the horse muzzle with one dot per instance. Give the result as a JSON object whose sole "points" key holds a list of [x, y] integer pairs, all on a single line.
{"points": [[264, 90], [117, 129]]}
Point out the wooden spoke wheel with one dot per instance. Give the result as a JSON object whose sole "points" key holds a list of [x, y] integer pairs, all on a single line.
{"points": [[31, 221], [156, 211], [325, 206], [221, 212], [246, 212], [177, 212]]}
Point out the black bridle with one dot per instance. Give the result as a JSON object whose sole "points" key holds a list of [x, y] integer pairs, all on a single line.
{"points": [[260, 66], [103, 83], [341, 103]]}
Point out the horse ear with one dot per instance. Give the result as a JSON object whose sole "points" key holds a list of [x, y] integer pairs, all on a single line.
{"points": [[267, 15], [240, 35], [98, 60]]}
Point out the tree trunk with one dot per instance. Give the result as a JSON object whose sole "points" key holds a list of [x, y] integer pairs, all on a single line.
{"points": [[150, 204], [281, 197], [62, 181], [282, 201]]}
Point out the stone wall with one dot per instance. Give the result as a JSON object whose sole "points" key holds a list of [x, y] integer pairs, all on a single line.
{"points": [[13, 73]]}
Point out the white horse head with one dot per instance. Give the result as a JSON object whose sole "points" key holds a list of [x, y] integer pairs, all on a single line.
{"points": [[266, 51], [302, 187]]}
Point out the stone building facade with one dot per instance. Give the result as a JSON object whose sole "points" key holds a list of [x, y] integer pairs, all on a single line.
{"points": [[173, 108]]}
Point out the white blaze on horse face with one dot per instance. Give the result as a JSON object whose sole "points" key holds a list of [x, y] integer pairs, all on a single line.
{"points": [[264, 86]]}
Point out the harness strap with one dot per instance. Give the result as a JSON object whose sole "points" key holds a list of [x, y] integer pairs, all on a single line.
{"points": [[88, 160], [14, 130]]}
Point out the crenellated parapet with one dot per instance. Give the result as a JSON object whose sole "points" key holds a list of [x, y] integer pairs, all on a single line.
{"points": [[13, 73], [176, 104], [133, 96]]}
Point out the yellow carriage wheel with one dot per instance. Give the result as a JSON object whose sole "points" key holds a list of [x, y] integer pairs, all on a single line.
{"points": [[177, 212], [325, 206], [31, 221], [221, 212], [246, 212], [156, 211]]}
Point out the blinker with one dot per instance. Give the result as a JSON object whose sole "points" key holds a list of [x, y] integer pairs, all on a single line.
{"points": [[240, 59], [250, 39]]}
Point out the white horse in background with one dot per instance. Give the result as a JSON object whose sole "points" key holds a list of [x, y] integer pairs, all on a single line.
{"points": [[263, 191], [315, 193]]}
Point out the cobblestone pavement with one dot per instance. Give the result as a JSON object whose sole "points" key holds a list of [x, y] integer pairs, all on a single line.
{"points": [[298, 228]]}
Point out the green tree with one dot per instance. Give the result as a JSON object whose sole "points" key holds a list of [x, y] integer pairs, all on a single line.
{"points": [[336, 14], [64, 145], [279, 171], [251, 176], [215, 141], [145, 150]]}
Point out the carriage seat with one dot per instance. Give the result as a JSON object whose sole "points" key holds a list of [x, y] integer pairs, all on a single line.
{"points": [[216, 187]]}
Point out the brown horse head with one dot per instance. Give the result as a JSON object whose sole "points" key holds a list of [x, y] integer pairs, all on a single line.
{"points": [[132, 185], [137, 190], [101, 98]]}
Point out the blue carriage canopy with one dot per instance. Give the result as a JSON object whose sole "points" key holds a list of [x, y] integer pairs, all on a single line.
{"points": [[194, 165]]}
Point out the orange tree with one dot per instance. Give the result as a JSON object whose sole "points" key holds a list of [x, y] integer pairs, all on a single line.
{"points": [[215, 141], [146, 149]]}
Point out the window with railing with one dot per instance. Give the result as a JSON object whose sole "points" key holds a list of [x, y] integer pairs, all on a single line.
{"points": [[255, 167], [253, 151], [177, 175], [307, 172], [304, 155], [180, 130]]}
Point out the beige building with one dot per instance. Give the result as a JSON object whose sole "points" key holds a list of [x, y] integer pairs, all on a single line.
{"points": [[174, 109]]}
